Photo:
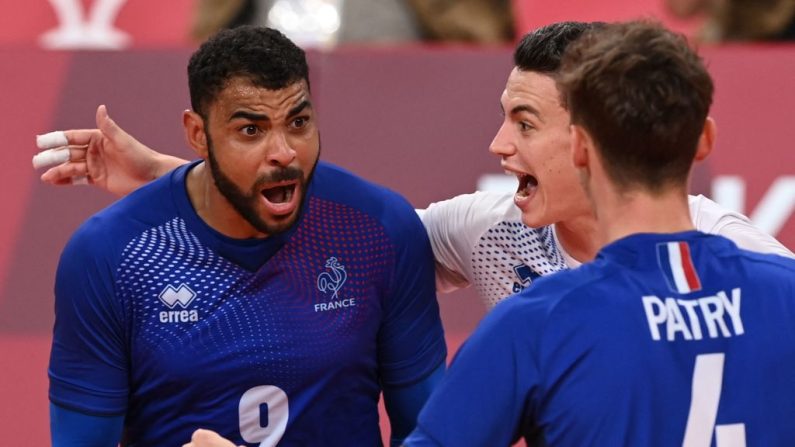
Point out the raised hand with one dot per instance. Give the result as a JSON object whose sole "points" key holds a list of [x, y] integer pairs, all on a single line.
{"points": [[107, 157]]}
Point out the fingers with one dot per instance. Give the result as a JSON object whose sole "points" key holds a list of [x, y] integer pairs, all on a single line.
{"points": [[51, 157], [106, 125], [73, 173], [69, 161], [207, 438], [58, 155], [59, 138], [81, 181], [76, 137], [51, 140], [74, 181]]}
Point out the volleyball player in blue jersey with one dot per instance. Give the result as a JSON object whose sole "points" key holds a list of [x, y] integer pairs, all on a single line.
{"points": [[256, 292], [671, 336], [497, 242], [533, 241]]}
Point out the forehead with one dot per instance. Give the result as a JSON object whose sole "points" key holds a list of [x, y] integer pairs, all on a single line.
{"points": [[240, 93], [531, 88]]}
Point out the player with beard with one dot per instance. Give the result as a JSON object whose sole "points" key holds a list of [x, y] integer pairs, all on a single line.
{"points": [[498, 242], [256, 292]]}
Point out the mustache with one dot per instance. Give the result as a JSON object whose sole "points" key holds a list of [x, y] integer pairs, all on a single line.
{"points": [[281, 175]]}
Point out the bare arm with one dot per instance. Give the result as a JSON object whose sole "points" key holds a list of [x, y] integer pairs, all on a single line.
{"points": [[107, 157]]}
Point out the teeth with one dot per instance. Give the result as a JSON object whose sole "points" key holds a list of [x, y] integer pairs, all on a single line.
{"points": [[527, 184]]}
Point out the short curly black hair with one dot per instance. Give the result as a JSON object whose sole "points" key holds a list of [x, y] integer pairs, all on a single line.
{"points": [[263, 55]]}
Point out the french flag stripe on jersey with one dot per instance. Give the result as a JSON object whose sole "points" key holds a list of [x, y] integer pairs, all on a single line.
{"points": [[680, 266]]}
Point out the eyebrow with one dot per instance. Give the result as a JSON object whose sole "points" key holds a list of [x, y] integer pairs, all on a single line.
{"points": [[526, 108], [522, 108], [299, 108], [252, 116]]}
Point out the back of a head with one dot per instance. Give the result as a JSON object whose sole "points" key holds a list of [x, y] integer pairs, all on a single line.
{"points": [[643, 95], [263, 55], [541, 50]]}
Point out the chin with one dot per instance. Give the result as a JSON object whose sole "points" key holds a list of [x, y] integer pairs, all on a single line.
{"points": [[536, 218], [533, 221], [280, 224]]}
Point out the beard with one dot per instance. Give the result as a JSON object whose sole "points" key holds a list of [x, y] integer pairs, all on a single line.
{"points": [[245, 203]]}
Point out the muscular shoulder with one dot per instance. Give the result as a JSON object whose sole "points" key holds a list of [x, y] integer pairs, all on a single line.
{"points": [[391, 210], [107, 232]]}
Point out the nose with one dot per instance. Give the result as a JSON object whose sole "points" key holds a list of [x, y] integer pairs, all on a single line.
{"points": [[502, 144], [280, 152]]}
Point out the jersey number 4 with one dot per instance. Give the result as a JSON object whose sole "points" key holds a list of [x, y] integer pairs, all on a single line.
{"points": [[263, 412], [706, 389]]}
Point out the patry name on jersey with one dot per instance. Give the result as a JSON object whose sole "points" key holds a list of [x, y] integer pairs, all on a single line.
{"points": [[718, 314]]}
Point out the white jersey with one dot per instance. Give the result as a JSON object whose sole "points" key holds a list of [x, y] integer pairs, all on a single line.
{"points": [[480, 239]]}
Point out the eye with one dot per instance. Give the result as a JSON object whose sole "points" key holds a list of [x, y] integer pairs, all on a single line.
{"points": [[524, 126], [249, 130], [300, 122]]}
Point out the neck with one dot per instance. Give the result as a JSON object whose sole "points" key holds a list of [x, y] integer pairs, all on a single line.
{"points": [[580, 237], [638, 211], [213, 208]]}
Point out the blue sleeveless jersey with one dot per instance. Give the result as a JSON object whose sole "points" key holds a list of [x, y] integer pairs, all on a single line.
{"points": [[664, 340], [284, 340]]}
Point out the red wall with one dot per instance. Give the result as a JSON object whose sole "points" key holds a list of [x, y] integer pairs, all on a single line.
{"points": [[150, 23]]}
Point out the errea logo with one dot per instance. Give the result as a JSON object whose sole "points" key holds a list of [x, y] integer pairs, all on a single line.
{"points": [[182, 296]]}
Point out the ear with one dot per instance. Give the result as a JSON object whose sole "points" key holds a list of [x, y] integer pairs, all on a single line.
{"points": [[707, 139], [581, 146], [195, 132]]}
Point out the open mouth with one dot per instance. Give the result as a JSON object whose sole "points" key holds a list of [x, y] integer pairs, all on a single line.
{"points": [[527, 185], [281, 198], [279, 194]]}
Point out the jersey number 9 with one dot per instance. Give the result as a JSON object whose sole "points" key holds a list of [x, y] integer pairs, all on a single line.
{"points": [[263, 414]]}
